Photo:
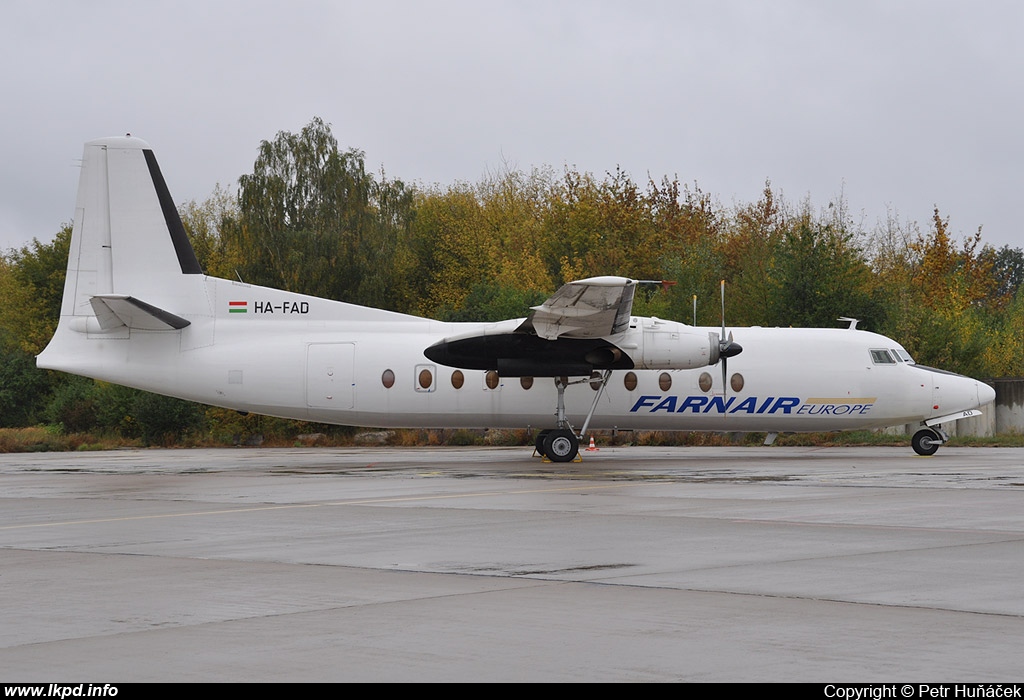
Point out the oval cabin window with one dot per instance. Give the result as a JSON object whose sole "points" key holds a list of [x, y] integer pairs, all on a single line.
{"points": [[629, 381], [491, 379], [526, 382], [665, 381], [426, 378], [387, 379], [458, 379]]}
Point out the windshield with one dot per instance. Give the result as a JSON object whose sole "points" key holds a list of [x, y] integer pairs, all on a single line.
{"points": [[902, 355]]}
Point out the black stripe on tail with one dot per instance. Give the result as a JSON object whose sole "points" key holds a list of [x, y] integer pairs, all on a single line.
{"points": [[186, 256]]}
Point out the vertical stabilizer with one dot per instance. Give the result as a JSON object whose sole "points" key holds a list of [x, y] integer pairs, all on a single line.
{"points": [[127, 237]]}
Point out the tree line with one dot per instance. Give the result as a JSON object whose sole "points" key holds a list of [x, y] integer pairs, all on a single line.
{"points": [[311, 219]]}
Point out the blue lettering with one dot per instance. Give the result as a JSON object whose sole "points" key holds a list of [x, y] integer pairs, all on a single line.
{"points": [[765, 404], [747, 405], [694, 403], [720, 404], [642, 402], [785, 403], [669, 404]]}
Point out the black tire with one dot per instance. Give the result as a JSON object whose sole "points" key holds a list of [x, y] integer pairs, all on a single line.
{"points": [[925, 442], [561, 446], [538, 444]]}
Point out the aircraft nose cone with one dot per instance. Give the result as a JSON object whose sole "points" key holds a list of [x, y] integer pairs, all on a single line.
{"points": [[986, 394]]}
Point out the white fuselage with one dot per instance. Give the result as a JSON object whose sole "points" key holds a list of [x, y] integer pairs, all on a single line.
{"points": [[276, 353]]}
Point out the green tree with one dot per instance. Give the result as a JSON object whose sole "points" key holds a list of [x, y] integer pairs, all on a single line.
{"points": [[820, 274], [749, 247], [312, 220], [32, 287]]}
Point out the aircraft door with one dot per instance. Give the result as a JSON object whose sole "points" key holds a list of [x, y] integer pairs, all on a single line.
{"points": [[330, 375]]}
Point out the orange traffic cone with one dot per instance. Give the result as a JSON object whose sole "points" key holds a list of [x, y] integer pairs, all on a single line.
{"points": [[593, 447]]}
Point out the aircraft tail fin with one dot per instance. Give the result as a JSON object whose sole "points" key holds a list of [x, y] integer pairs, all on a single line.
{"points": [[128, 238]]}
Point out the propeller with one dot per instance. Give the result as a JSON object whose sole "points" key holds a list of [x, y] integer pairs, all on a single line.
{"points": [[727, 347]]}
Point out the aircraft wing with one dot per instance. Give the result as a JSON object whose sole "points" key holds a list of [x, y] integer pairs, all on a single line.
{"points": [[590, 308], [566, 335]]}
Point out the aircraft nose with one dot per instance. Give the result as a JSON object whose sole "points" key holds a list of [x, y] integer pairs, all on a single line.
{"points": [[986, 394]]}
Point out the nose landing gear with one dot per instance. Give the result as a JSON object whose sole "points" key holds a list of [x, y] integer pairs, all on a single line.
{"points": [[926, 441]]}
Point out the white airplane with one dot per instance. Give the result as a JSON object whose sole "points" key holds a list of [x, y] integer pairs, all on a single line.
{"points": [[137, 310]]}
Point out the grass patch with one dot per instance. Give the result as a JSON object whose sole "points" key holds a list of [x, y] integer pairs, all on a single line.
{"points": [[51, 439]]}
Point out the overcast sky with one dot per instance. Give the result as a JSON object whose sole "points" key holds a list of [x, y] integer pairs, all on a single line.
{"points": [[899, 106]]}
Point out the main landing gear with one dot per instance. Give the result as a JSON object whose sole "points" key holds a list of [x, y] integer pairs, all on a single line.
{"points": [[927, 440], [558, 445], [562, 444]]}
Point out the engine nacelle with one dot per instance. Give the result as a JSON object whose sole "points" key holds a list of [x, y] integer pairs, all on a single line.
{"points": [[658, 344]]}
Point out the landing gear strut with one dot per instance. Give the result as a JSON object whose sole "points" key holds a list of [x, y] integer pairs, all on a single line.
{"points": [[562, 444]]}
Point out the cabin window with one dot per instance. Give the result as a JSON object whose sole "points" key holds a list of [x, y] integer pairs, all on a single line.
{"points": [[629, 381], [387, 379], [665, 381], [736, 382], [881, 357], [425, 378], [526, 382], [595, 380], [491, 379], [704, 382], [458, 379]]}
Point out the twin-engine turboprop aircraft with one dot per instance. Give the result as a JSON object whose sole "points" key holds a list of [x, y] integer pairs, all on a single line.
{"points": [[138, 310]]}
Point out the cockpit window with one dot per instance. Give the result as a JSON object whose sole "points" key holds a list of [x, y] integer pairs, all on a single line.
{"points": [[882, 357], [902, 355]]}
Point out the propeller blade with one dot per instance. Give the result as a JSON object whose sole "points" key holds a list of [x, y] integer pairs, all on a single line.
{"points": [[723, 312], [727, 347]]}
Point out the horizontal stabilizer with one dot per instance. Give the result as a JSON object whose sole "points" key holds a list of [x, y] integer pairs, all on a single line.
{"points": [[117, 310]]}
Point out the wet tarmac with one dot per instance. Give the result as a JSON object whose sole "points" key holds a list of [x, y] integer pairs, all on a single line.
{"points": [[855, 564]]}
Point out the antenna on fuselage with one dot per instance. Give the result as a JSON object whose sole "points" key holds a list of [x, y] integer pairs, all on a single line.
{"points": [[853, 322]]}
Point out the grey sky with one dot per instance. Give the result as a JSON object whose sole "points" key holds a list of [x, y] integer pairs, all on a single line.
{"points": [[898, 105]]}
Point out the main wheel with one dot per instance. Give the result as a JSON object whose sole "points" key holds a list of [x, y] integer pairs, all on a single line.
{"points": [[538, 444], [925, 442], [561, 446]]}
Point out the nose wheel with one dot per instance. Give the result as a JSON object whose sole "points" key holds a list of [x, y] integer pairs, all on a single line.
{"points": [[926, 442]]}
